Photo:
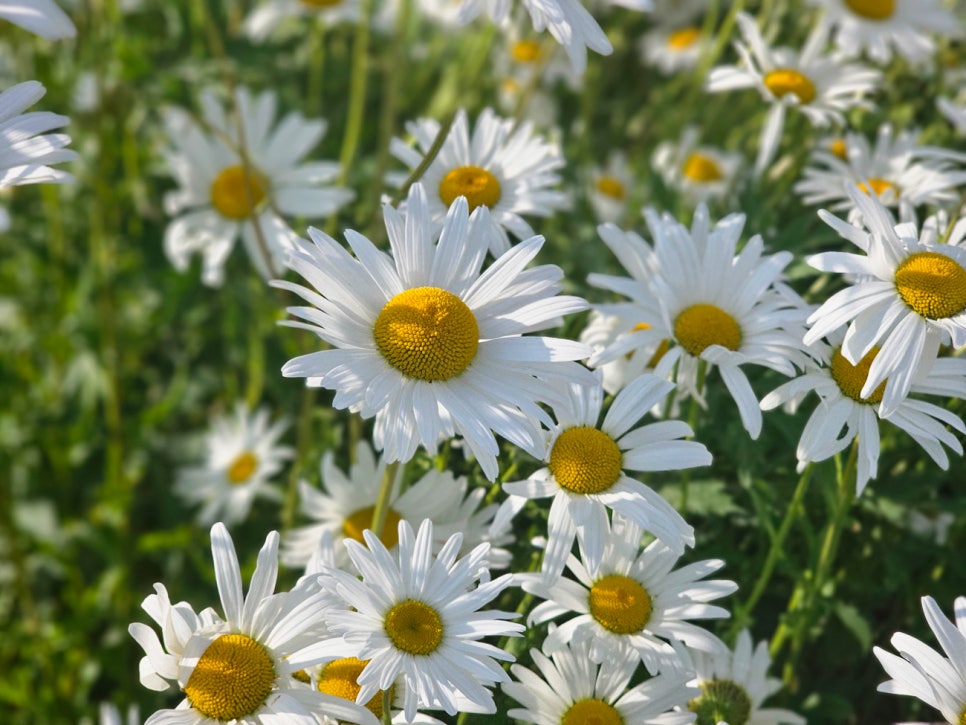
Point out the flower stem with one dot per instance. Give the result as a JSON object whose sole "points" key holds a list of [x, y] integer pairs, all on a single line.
{"points": [[382, 503], [386, 711]]}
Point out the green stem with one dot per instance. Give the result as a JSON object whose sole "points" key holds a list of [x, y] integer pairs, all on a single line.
{"points": [[430, 156], [694, 412], [382, 503], [386, 708], [720, 41], [303, 437], [313, 86]]}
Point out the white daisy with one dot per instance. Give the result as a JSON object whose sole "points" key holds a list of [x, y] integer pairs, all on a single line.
{"points": [[264, 19], [502, 166], [26, 149], [673, 49], [820, 86], [955, 114], [603, 330], [239, 669], [418, 615], [42, 17], [610, 188], [428, 344], [700, 172], [221, 196], [922, 672], [109, 714], [585, 471]]}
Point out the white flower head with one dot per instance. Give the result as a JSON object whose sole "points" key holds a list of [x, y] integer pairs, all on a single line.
{"points": [[610, 188], [263, 21], [700, 172], [673, 49], [26, 149]]}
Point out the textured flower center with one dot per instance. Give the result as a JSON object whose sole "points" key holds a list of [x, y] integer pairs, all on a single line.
{"points": [[361, 520], [591, 712], [585, 460], [878, 187], [414, 627], [783, 81], [702, 325], [962, 717], [525, 51], [236, 194], [661, 350], [479, 186], [609, 186], [683, 39], [838, 148], [427, 333], [851, 378], [701, 169], [242, 468], [321, 3], [872, 9], [932, 284], [620, 604], [232, 679], [721, 700], [339, 678]]}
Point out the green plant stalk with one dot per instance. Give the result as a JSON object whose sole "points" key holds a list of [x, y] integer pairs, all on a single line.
{"points": [[313, 85], [720, 41], [694, 411], [386, 712], [430, 156], [303, 434], [382, 503]]}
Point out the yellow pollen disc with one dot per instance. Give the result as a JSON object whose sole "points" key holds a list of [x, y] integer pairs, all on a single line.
{"points": [[701, 169], [232, 679], [242, 468], [320, 4], [702, 325], [236, 194], [783, 81], [851, 378], [585, 460], [609, 186], [340, 679], [838, 148], [361, 520], [683, 38], [932, 284], [591, 712], [962, 718], [620, 604], [427, 333], [479, 186], [525, 51], [662, 347], [878, 187], [414, 627], [872, 9]]}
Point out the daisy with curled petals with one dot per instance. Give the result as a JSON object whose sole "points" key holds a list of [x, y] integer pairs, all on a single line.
{"points": [[574, 689], [428, 344], [820, 86], [265, 18], [501, 165], [418, 616], [632, 602], [240, 668], [700, 172], [42, 17], [920, 671], [26, 149]]}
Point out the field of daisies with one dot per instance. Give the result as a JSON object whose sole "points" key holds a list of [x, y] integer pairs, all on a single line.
{"points": [[566, 362]]}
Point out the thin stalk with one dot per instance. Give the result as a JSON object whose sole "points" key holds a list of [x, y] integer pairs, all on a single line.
{"points": [[386, 704], [303, 437], [382, 503], [694, 410], [720, 41], [430, 156], [313, 85]]}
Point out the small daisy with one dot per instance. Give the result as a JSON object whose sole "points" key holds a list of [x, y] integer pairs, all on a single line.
{"points": [[700, 172], [42, 17], [610, 188], [529, 60], [955, 114], [26, 149], [673, 49], [932, 524], [418, 616], [603, 330], [265, 18], [502, 166], [108, 714], [922, 672], [243, 455], [818, 85], [428, 344]]}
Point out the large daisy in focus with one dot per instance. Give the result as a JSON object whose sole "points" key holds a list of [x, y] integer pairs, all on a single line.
{"points": [[42, 17], [26, 149]]}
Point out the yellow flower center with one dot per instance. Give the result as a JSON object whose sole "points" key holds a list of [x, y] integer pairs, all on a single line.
{"points": [[414, 627], [721, 701], [242, 468], [232, 679], [783, 81], [701, 168], [683, 39], [838, 148], [620, 604], [702, 325], [872, 9], [340, 679], [320, 4], [591, 712], [932, 284], [361, 520], [962, 717], [427, 333], [479, 186], [585, 460], [236, 194], [851, 378], [878, 187], [609, 186], [525, 51]]}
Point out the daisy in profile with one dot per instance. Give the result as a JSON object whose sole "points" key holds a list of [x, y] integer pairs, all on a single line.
{"points": [[672, 49], [265, 18], [418, 616], [572, 688], [921, 672], [243, 454], [821, 86], [610, 188], [603, 330], [26, 149], [426, 342], [42, 17], [698, 171], [239, 668], [237, 174], [500, 165]]}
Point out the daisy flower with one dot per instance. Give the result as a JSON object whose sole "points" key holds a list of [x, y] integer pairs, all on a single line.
{"points": [[699, 172], [42, 17], [26, 149], [109, 714], [223, 195], [602, 330], [820, 86], [265, 18], [610, 187], [428, 344], [502, 166], [239, 668], [955, 114], [417, 615], [672, 49], [632, 602], [572, 688], [922, 672]]}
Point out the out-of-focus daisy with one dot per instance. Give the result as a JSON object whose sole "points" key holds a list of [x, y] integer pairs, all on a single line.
{"points": [[239, 668], [265, 18], [673, 48], [954, 113], [602, 330], [610, 188], [931, 524], [585, 474], [108, 714], [430, 345], [820, 86], [575, 689], [879, 26], [224, 194], [418, 616], [530, 59], [26, 149], [42, 17], [243, 455], [501, 165], [920, 671], [700, 172], [734, 685], [632, 602]]}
